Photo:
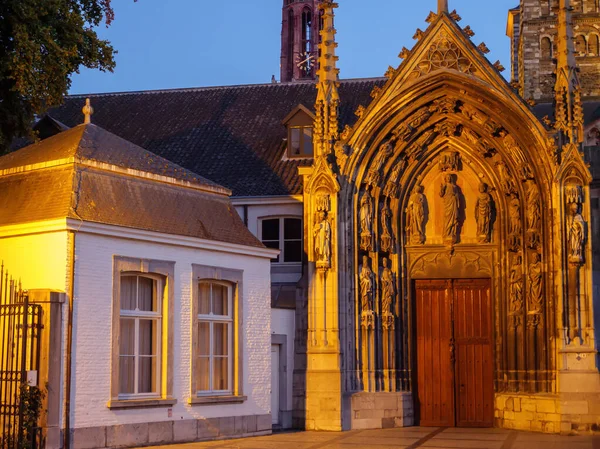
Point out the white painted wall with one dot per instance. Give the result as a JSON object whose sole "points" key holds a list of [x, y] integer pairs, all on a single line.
{"points": [[283, 323], [93, 333]]}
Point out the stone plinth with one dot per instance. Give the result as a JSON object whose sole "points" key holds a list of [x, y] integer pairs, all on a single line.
{"points": [[382, 410]]}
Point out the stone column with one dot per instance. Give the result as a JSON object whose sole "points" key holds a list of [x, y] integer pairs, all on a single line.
{"points": [[49, 376]]}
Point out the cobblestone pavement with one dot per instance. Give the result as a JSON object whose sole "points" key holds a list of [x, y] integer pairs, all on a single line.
{"points": [[406, 438]]}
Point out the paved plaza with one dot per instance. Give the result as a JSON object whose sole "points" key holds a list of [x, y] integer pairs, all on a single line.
{"points": [[406, 438]]}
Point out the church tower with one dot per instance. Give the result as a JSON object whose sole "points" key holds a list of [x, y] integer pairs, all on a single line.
{"points": [[299, 40], [533, 30]]}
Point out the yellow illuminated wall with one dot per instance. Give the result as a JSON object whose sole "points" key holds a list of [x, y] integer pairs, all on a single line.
{"points": [[39, 260]]}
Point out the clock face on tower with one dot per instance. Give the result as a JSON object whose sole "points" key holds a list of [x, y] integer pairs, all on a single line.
{"points": [[305, 62]]}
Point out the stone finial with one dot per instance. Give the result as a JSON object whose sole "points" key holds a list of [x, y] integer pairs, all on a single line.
{"points": [[87, 110], [442, 6]]}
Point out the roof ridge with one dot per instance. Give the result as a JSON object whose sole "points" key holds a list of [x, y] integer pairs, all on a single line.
{"points": [[205, 88]]}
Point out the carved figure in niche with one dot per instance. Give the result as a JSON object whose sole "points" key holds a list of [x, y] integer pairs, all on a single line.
{"points": [[449, 194], [366, 221], [387, 241], [392, 186], [577, 231], [536, 284], [443, 105], [322, 236], [366, 286], [534, 215], [388, 290], [515, 228], [419, 118], [483, 213], [508, 183], [374, 174], [473, 114], [516, 286], [415, 216], [446, 128], [449, 161]]}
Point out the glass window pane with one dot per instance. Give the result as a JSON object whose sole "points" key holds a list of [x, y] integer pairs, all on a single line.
{"points": [[202, 374], [128, 292], [147, 375], [126, 374], [292, 251], [220, 299], [147, 342], [292, 229], [220, 373], [307, 143], [146, 297], [204, 298], [270, 229], [127, 337], [274, 245], [203, 338], [221, 339], [295, 141]]}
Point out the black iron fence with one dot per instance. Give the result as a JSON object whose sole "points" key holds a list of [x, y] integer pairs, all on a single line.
{"points": [[20, 327]]}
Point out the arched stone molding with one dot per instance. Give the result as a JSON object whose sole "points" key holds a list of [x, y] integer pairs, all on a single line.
{"points": [[413, 132]]}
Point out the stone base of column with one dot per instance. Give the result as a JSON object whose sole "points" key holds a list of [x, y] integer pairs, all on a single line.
{"points": [[382, 410], [324, 399]]}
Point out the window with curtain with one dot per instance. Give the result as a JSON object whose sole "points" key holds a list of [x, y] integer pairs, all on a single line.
{"points": [[214, 364], [140, 336], [284, 234]]}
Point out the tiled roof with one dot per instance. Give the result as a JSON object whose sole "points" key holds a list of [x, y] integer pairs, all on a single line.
{"points": [[89, 174], [231, 135]]}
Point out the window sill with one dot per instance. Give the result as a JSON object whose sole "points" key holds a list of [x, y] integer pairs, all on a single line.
{"points": [[208, 400], [140, 403]]}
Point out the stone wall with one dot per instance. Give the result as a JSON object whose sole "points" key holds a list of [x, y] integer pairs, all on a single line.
{"points": [[564, 413], [181, 431], [382, 410]]}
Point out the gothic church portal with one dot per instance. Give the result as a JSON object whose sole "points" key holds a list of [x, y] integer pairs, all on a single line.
{"points": [[455, 270]]}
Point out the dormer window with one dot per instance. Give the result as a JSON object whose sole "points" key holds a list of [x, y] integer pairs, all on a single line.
{"points": [[300, 141], [299, 125]]}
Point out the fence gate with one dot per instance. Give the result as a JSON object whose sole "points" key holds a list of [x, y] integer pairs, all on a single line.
{"points": [[20, 327]]}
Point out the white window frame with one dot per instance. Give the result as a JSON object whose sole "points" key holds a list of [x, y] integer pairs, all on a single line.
{"points": [[212, 319], [282, 239], [137, 315]]}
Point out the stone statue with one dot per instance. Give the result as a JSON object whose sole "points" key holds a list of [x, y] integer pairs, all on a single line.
{"points": [[449, 194], [508, 183], [388, 290], [366, 221], [415, 216], [515, 227], [322, 236], [483, 213], [374, 174], [449, 161], [366, 286], [536, 284], [392, 186], [387, 241], [534, 207], [516, 286], [577, 231]]}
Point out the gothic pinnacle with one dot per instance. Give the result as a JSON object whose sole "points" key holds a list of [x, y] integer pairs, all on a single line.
{"points": [[442, 6]]}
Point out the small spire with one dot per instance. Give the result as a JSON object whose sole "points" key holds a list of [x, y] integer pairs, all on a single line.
{"points": [[87, 110], [326, 106], [568, 105], [442, 6]]}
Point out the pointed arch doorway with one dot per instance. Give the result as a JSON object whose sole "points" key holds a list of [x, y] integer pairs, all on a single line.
{"points": [[454, 352]]}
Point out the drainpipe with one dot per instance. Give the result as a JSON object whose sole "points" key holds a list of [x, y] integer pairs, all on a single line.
{"points": [[68, 362], [246, 215]]}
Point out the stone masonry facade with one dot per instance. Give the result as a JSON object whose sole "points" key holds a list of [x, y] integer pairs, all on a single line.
{"points": [[534, 66]]}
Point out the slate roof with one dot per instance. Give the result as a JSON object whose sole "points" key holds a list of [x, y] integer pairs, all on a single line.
{"points": [[232, 135], [89, 174]]}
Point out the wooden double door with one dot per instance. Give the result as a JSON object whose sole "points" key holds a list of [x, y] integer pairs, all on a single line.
{"points": [[454, 339]]}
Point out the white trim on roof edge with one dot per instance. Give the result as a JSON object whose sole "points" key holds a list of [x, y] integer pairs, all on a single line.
{"points": [[266, 200], [70, 224]]}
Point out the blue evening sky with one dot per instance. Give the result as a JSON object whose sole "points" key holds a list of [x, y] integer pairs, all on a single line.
{"points": [[191, 43]]}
